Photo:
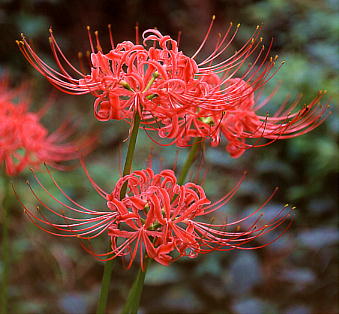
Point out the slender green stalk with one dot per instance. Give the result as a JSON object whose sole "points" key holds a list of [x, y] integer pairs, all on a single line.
{"points": [[5, 245], [106, 279], [134, 295], [189, 161]]}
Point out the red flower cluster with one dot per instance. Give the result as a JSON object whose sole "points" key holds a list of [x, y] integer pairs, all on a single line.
{"points": [[157, 218], [24, 141], [179, 97]]}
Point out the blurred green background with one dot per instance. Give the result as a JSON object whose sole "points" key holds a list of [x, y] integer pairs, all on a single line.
{"points": [[295, 275]]}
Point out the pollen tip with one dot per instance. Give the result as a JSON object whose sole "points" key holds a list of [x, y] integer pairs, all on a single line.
{"points": [[238, 25], [231, 23], [109, 25], [88, 53], [96, 32], [293, 207], [213, 17], [80, 54], [283, 62], [257, 27], [261, 39], [286, 205]]}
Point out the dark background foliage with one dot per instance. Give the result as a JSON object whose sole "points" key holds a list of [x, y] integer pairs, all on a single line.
{"points": [[295, 275]]}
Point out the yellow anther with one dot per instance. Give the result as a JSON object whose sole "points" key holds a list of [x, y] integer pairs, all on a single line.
{"points": [[213, 17], [88, 27], [80, 55], [257, 27], [238, 25]]}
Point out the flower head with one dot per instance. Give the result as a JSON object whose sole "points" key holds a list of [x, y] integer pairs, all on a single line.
{"points": [[154, 78], [25, 142], [180, 97], [157, 218], [243, 126]]}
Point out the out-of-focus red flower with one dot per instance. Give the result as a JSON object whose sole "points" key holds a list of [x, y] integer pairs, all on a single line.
{"points": [[157, 218], [25, 142]]}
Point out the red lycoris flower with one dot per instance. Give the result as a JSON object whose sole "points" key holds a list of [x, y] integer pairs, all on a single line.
{"points": [[180, 97], [157, 218], [243, 123], [25, 142], [155, 76]]}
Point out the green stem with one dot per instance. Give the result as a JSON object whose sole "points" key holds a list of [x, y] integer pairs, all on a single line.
{"points": [[189, 161], [134, 295], [106, 279], [5, 245]]}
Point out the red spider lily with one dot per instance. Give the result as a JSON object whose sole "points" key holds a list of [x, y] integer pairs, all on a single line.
{"points": [[157, 218], [243, 123], [180, 97], [155, 78], [25, 142]]}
